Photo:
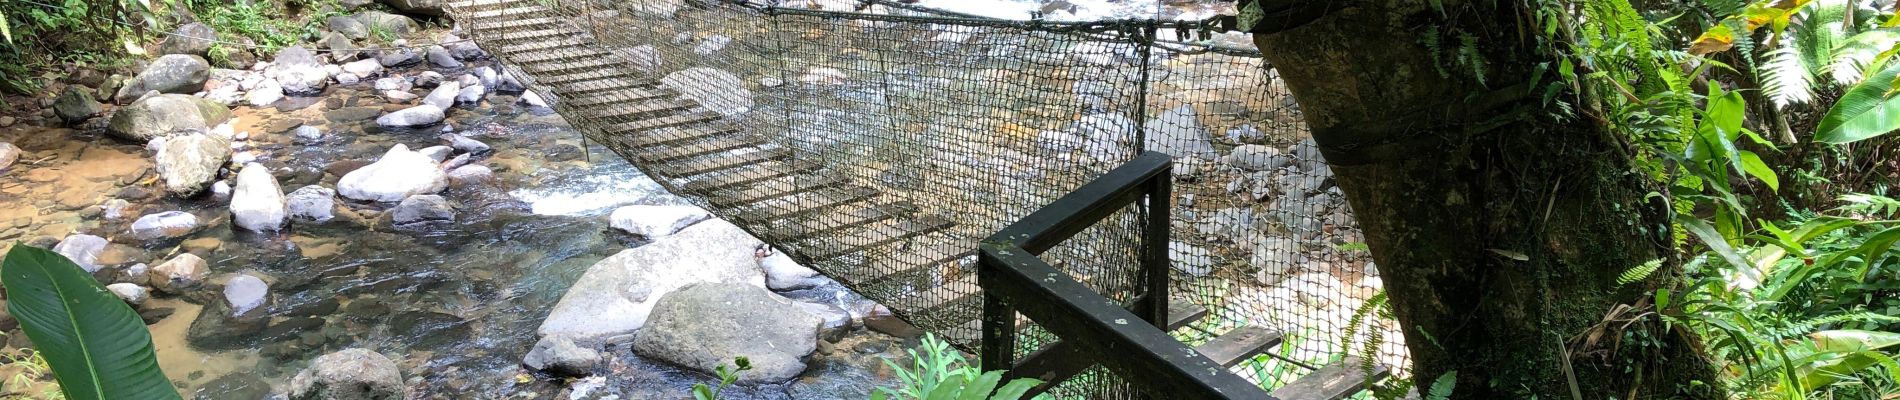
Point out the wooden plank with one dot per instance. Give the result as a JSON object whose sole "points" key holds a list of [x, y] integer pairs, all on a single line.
{"points": [[623, 95], [581, 64], [963, 289], [774, 189], [918, 259], [797, 206], [631, 110], [669, 121], [482, 3], [584, 88], [1332, 382], [553, 55], [763, 171], [1239, 344], [819, 249], [598, 74], [531, 47], [538, 34], [513, 23], [698, 148], [511, 12], [722, 161], [827, 223]]}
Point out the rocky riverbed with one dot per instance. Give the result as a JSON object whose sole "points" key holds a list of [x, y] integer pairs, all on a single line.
{"points": [[327, 223]]}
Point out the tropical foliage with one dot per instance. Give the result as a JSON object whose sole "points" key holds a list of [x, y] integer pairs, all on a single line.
{"points": [[95, 344], [940, 372]]}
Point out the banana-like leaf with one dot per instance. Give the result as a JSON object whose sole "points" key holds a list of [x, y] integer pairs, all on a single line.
{"points": [[96, 345], [1868, 109]]}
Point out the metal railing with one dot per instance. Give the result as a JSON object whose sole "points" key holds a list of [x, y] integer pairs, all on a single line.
{"points": [[1091, 328]]}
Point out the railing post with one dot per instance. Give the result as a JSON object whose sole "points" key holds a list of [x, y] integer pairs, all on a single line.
{"points": [[1154, 247], [999, 321]]}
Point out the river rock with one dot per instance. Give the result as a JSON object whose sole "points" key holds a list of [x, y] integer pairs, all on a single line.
{"points": [[245, 293], [428, 79], [440, 154], [470, 174], [164, 114], [187, 163], [175, 73], [444, 95], [340, 46], [440, 56], [308, 133], [349, 26], [782, 273], [533, 99], [189, 39], [419, 115], [615, 295], [298, 71], [164, 225], [8, 154], [375, 21], [75, 105], [363, 68], [82, 249], [422, 208], [266, 93], [561, 356], [462, 49], [183, 272], [418, 7], [257, 203], [713, 88], [705, 325], [312, 203], [1253, 157], [132, 293], [1178, 132], [350, 374], [655, 8], [1107, 135], [399, 174], [401, 57], [464, 144], [470, 95], [655, 221]]}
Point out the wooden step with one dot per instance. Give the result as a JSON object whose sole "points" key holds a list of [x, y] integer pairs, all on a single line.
{"points": [[554, 55], [827, 223], [698, 148], [776, 189], [533, 9], [575, 65], [919, 259], [670, 121], [624, 95], [535, 46], [464, 4], [633, 110], [878, 234], [586, 88], [764, 171], [798, 206], [513, 23], [674, 135], [578, 76], [540, 34], [1332, 382], [963, 289], [1239, 345], [721, 161]]}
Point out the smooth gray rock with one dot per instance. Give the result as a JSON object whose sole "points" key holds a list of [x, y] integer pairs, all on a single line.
{"points": [[470, 174], [470, 95], [399, 58], [420, 115], [1178, 132], [349, 26], [713, 88], [257, 203], [1107, 135], [164, 225], [82, 249], [704, 325], [394, 25], [298, 71], [400, 173], [561, 356], [440, 56], [75, 105], [307, 132], [350, 374], [183, 272], [1253, 157], [245, 293], [444, 95], [428, 79], [312, 203], [438, 153], [174, 73], [188, 163], [422, 208], [782, 273], [363, 68], [392, 83], [418, 7], [130, 292], [8, 154], [464, 144], [340, 46], [189, 39], [613, 298], [265, 94], [655, 221]]}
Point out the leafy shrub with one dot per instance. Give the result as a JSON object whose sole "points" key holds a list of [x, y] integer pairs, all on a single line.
{"points": [[940, 372]]}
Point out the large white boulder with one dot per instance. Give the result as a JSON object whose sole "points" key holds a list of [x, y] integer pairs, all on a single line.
{"points": [[612, 299], [400, 173], [655, 221], [258, 203]]}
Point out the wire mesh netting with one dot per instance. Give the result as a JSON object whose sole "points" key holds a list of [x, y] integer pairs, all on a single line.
{"points": [[878, 142]]}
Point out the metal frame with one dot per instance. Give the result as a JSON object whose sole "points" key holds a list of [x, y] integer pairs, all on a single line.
{"points": [[1090, 326]]}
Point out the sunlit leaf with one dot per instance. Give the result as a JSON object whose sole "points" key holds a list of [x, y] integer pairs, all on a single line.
{"points": [[1867, 110]]}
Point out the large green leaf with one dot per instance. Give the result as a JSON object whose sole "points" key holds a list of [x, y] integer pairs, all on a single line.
{"points": [[97, 346], [1868, 109]]}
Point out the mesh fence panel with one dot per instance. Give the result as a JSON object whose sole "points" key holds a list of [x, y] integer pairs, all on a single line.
{"points": [[877, 142]]}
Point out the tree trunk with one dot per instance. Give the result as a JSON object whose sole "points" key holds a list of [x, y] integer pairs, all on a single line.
{"points": [[1499, 233]]}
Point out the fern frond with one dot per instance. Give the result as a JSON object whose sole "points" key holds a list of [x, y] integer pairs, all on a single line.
{"points": [[1870, 205], [1785, 79], [1639, 272], [1807, 326]]}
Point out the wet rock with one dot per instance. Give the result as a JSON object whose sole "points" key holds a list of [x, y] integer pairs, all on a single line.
{"points": [[190, 39], [188, 163], [715, 89], [378, 21], [882, 320], [352, 114], [444, 95], [221, 191], [363, 68], [237, 385], [615, 295], [340, 46], [395, 83], [464, 144], [351, 374], [176, 73], [1107, 135], [470, 95], [164, 225], [422, 208], [183, 272], [783, 274], [469, 175], [312, 203], [833, 322], [298, 71], [418, 7], [704, 325], [258, 203], [308, 133], [136, 274], [399, 58], [437, 153], [82, 249], [245, 293], [428, 79], [1178, 132], [132, 293], [348, 26], [75, 105], [265, 94], [8, 155], [559, 355], [462, 49], [399, 174], [533, 99], [163, 114], [420, 115], [655, 221], [440, 56]]}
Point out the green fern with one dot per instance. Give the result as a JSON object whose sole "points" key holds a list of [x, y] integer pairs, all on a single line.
{"points": [[1872, 205], [1639, 272]]}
